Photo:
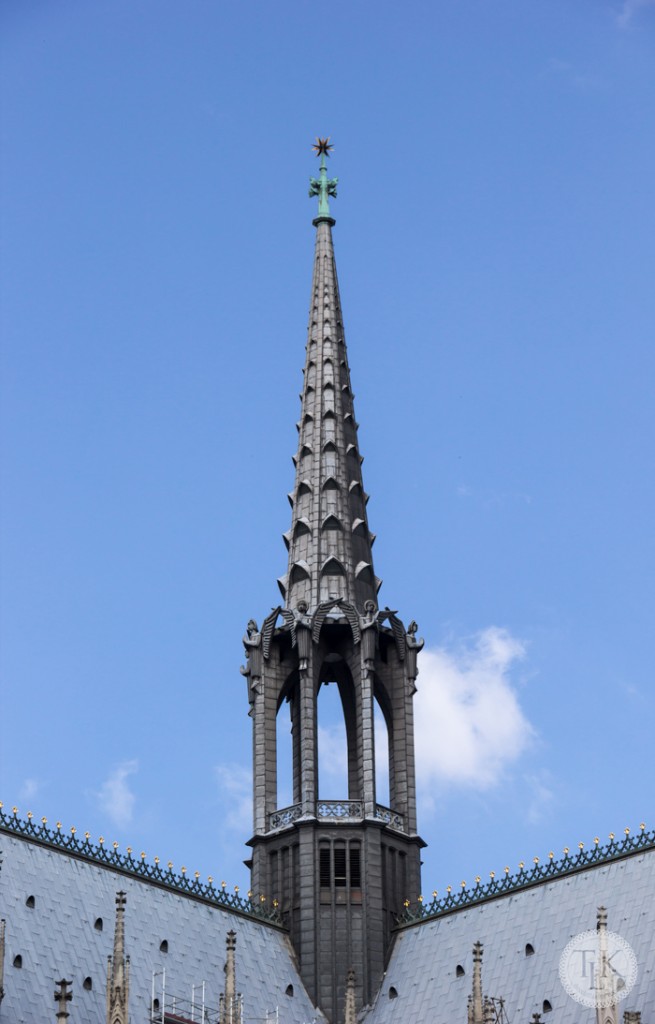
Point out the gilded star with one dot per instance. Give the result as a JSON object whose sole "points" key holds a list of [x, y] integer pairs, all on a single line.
{"points": [[322, 146]]}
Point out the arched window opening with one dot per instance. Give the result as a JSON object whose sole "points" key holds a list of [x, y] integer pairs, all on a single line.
{"points": [[284, 745], [332, 744], [546, 1008], [381, 757], [459, 971]]}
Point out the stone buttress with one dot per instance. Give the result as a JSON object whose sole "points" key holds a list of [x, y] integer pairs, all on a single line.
{"points": [[339, 869]]}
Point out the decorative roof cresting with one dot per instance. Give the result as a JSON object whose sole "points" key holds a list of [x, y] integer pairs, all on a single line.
{"points": [[136, 867], [569, 864]]}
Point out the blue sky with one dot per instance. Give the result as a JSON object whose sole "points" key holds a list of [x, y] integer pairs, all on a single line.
{"points": [[494, 237]]}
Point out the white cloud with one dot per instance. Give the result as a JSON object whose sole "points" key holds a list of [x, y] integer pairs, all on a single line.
{"points": [[469, 724], [235, 784], [115, 795], [630, 8]]}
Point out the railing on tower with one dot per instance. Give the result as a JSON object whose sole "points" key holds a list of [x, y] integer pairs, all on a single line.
{"points": [[336, 810]]}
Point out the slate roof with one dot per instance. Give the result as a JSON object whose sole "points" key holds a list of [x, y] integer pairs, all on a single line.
{"points": [[58, 938], [423, 965]]}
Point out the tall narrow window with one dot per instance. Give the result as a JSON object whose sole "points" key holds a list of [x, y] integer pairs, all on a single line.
{"points": [[332, 745], [340, 866], [284, 745], [355, 868], [324, 865], [381, 757]]}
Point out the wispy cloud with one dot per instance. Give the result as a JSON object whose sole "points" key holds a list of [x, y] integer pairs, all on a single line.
{"points": [[542, 797], [29, 789], [579, 78], [235, 785], [469, 723], [115, 795], [629, 10]]}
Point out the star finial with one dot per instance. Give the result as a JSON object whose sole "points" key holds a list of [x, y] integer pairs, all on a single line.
{"points": [[323, 187], [322, 147]]}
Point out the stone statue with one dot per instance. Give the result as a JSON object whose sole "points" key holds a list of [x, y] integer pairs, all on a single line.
{"points": [[303, 634], [412, 647], [252, 641], [369, 627]]}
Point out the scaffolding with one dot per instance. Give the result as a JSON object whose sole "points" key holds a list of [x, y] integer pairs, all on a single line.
{"points": [[495, 1012], [169, 1008]]}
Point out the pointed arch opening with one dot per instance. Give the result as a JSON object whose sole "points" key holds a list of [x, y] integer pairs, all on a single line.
{"points": [[332, 522], [284, 753], [383, 739], [299, 571], [302, 527], [382, 745], [364, 572], [359, 528], [338, 767]]}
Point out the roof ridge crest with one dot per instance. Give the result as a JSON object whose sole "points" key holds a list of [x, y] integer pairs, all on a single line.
{"points": [[418, 911], [56, 839]]}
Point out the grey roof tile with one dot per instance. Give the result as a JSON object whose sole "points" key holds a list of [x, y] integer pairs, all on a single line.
{"points": [[58, 938]]}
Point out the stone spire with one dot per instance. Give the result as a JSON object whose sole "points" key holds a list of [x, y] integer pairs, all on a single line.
{"points": [[329, 541], [350, 1015], [62, 997], [605, 978], [118, 970], [339, 865], [476, 1009], [2, 939], [230, 1003]]}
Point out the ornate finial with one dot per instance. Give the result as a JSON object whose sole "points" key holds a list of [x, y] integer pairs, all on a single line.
{"points": [[230, 1002], [322, 146], [62, 997], [118, 969], [323, 187], [350, 1014]]}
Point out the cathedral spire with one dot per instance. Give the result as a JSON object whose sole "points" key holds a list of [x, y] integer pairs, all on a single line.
{"points": [[330, 557], [118, 970], [230, 1001], [63, 996], [339, 865], [478, 1006], [350, 1014]]}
